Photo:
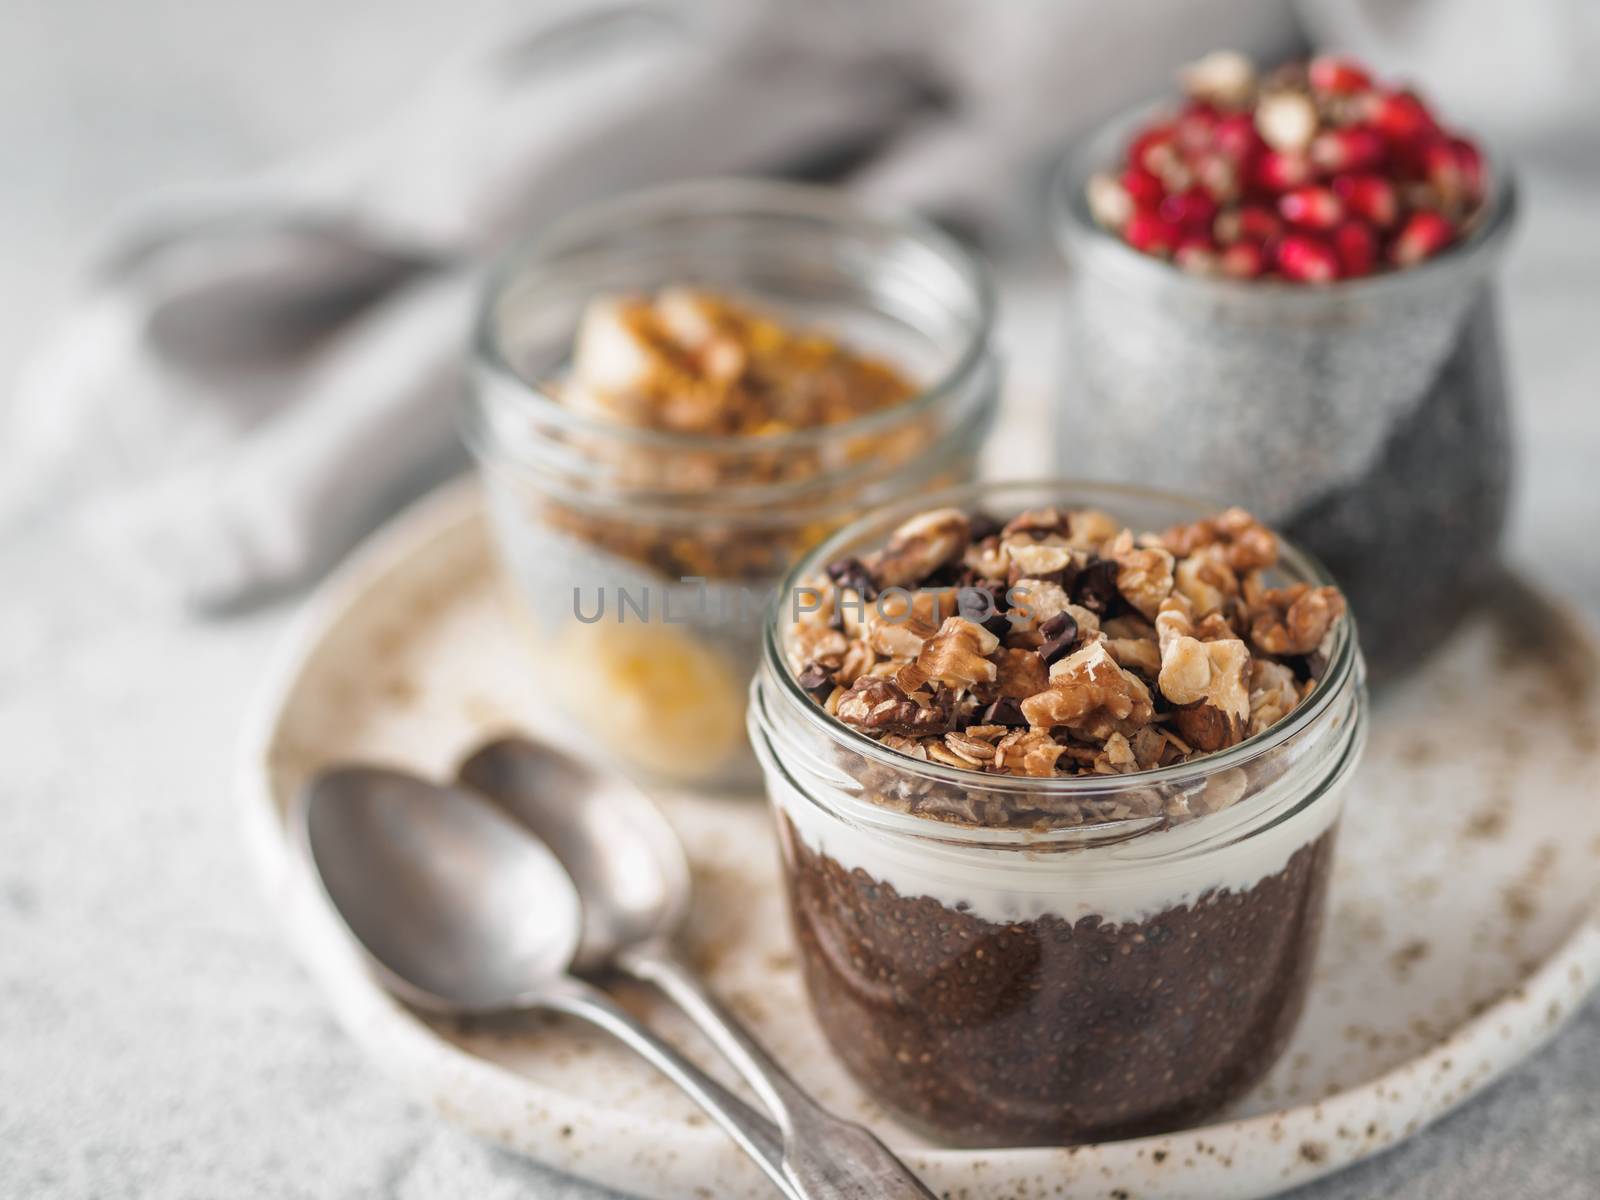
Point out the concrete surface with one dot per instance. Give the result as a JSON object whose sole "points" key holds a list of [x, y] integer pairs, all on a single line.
{"points": [[156, 1038]]}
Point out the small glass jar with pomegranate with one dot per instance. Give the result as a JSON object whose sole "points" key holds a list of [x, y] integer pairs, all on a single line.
{"points": [[1283, 292]]}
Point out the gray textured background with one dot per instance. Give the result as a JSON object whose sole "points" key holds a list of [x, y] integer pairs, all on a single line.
{"points": [[155, 1036]]}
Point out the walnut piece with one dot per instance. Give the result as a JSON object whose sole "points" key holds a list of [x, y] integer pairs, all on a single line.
{"points": [[1028, 752], [1206, 580], [957, 656], [1209, 683], [920, 546], [1295, 619], [1144, 576], [1089, 692], [876, 705], [1273, 694], [1021, 673], [1245, 543]]}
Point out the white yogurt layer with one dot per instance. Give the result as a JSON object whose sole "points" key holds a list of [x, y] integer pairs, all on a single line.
{"points": [[1130, 882]]}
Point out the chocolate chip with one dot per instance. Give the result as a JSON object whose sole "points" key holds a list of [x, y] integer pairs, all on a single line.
{"points": [[1004, 711], [853, 574], [1059, 633], [1096, 587], [982, 525], [971, 605], [817, 680]]}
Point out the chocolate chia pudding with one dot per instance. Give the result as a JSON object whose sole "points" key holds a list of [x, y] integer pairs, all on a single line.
{"points": [[1051, 1030], [1057, 867]]}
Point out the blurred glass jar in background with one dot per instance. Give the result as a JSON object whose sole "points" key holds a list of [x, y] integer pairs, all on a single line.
{"points": [[1366, 418], [644, 557]]}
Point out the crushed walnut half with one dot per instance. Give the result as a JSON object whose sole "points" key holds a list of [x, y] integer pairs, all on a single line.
{"points": [[1061, 643]]}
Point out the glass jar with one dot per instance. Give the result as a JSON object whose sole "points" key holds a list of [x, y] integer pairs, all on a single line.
{"points": [[644, 559], [1367, 419], [1124, 956]]}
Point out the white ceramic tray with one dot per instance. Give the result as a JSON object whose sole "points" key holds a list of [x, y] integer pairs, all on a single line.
{"points": [[1462, 930]]}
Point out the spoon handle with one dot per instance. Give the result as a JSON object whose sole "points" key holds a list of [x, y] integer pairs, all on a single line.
{"points": [[824, 1157], [754, 1133]]}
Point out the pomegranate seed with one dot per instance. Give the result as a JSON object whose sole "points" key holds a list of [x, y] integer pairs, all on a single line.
{"points": [[1223, 77], [1243, 260], [1286, 120], [1356, 244], [1469, 159], [1193, 209], [1153, 148], [1254, 222], [1193, 132], [1423, 235], [1196, 255], [1339, 76], [1401, 117], [1442, 169], [1353, 148], [1311, 207], [1278, 172], [1235, 136], [1143, 187], [1149, 234], [1371, 197], [1218, 175], [1109, 202], [1307, 259]]}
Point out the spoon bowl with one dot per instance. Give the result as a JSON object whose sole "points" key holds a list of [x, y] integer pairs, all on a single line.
{"points": [[455, 902], [460, 908], [621, 853]]}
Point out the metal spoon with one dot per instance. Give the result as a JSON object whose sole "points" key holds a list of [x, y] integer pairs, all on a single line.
{"points": [[634, 886], [461, 909]]}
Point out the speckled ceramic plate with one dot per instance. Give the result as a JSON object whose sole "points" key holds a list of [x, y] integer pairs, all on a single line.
{"points": [[1462, 931]]}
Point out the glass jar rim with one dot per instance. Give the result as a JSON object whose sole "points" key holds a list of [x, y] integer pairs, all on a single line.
{"points": [[1343, 664], [493, 372], [1072, 225]]}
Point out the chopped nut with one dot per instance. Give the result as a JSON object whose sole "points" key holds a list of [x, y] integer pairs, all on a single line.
{"points": [[1037, 560], [1246, 543], [1021, 673], [957, 655], [1205, 580], [876, 705], [1037, 521], [920, 547], [1089, 691], [1028, 752], [1273, 694], [1208, 681], [1116, 757], [1295, 619], [1144, 577], [1136, 654], [1090, 528], [1037, 601], [817, 644]]}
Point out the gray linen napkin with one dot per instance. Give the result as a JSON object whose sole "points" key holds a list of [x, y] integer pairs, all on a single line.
{"points": [[260, 371]]}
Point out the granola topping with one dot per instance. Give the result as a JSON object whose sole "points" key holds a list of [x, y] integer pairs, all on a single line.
{"points": [[1061, 643], [695, 363]]}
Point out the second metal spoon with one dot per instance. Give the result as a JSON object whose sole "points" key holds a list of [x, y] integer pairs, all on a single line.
{"points": [[633, 883]]}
